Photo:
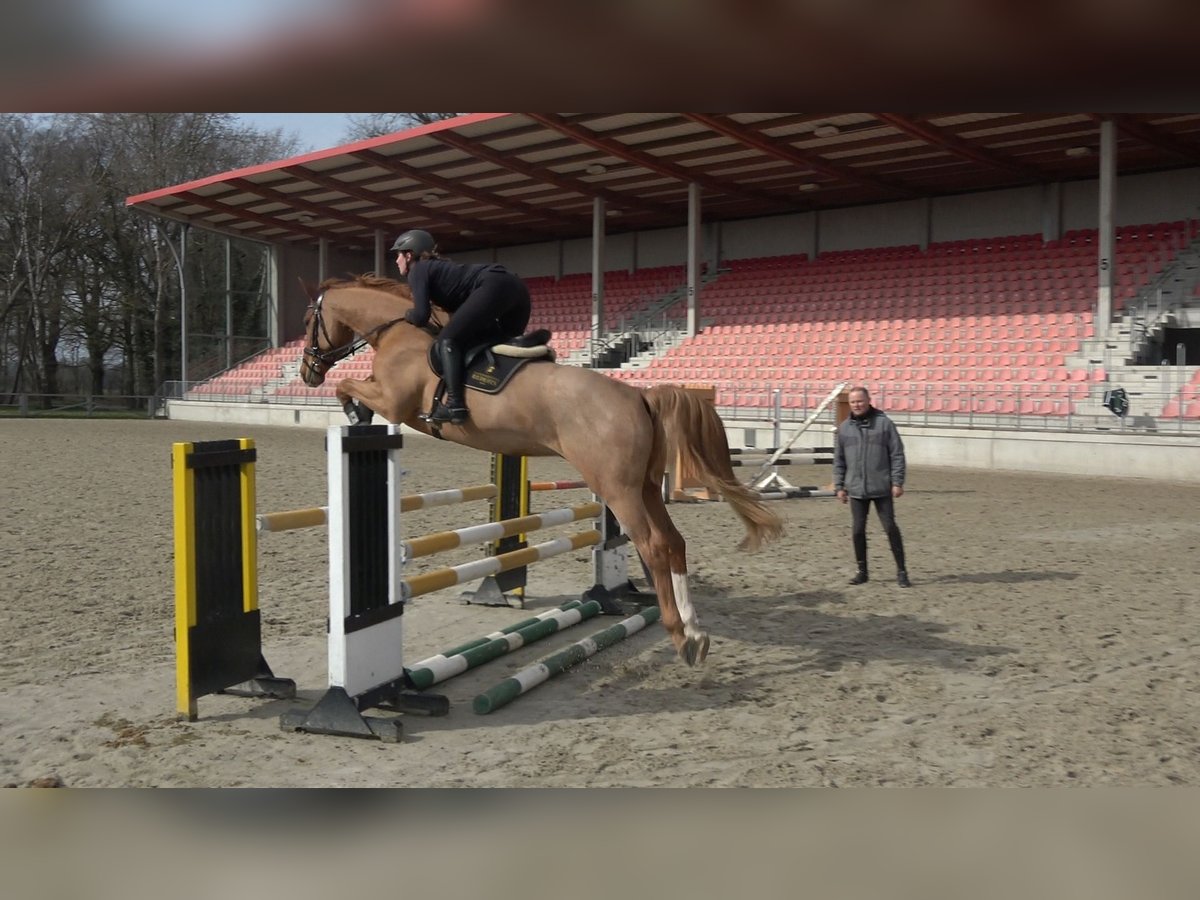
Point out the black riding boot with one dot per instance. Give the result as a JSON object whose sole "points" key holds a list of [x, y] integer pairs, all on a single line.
{"points": [[452, 407], [860, 556]]}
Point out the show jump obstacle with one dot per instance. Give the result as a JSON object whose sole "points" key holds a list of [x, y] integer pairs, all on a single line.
{"points": [[219, 649], [767, 481], [218, 632]]}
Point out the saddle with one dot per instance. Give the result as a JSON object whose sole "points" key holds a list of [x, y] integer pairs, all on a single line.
{"points": [[488, 366]]}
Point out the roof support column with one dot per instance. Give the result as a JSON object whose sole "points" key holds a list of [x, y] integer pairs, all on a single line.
{"points": [[1108, 183], [180, 258], [228, 303], [181, 261], [597, 278], [322, 260], [693, 258], [274, 295]]}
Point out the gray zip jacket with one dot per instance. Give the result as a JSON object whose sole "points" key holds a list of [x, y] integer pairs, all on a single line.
{"points": [[868, 456]]}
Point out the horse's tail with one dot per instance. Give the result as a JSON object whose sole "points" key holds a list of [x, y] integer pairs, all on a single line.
{"points": [[696, 437]]}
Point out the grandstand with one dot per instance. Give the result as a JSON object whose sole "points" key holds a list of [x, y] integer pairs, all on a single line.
{"points": [[994, 278], [991, 328]]}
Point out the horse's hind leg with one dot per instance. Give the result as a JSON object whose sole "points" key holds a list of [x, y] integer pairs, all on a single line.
{"points": [[644, 518], [694, 645]]}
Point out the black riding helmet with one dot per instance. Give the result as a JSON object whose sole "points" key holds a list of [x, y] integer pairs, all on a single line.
{"points": [[416, 242]]}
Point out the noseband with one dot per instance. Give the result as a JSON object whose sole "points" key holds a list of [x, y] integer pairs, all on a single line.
{"points": [[313, 353]]}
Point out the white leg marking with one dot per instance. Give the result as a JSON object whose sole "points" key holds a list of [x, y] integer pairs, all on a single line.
{"points": [[683, 602]]}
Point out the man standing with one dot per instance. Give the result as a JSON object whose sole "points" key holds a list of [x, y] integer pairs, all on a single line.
{"points": [[868, 466]]}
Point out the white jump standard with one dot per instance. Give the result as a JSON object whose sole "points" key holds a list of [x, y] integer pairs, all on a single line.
{"points": [[366, 600]]}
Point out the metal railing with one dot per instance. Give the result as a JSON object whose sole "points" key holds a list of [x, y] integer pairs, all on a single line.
{"points": [[649, 323], [89, 406], [1037, 406]]}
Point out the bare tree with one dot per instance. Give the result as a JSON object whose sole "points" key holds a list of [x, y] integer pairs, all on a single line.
{"points": [[369, 125], [76, 265], [45, 199], [148, 151]]}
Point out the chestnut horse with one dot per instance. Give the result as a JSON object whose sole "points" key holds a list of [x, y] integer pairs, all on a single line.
{"points": [[618, 437]]}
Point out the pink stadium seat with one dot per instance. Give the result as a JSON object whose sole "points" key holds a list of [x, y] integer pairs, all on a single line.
{"points": [[932, 324]]}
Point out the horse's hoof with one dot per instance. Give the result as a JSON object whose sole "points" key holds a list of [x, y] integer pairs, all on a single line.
{"points": [[694, 650], [358, 413]]}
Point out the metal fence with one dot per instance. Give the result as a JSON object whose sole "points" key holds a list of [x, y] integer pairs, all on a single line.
{"points": [[1031, 407], [1075, 406], [89, 406]]}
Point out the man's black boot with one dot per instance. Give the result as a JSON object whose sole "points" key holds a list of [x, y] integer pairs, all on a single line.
{"points": [[860, 577], [451, 408], [902, 579]]}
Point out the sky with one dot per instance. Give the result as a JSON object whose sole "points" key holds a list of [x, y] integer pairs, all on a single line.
{"points": [[316, 131]]}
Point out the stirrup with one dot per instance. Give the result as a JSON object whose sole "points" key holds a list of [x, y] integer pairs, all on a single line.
{"points": [[443, 413]]}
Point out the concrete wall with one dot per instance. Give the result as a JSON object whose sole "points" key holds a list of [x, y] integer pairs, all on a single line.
{"points": [[774, 236], [1108, 454], [886, 225], [1140, 199], [664, 247], [992, 214], [1104, 455]]}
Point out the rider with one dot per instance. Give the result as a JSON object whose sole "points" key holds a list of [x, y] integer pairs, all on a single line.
{"points": [[484, 300]]}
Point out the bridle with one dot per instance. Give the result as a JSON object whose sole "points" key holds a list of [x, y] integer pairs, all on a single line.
{"points": [[313, 353]]}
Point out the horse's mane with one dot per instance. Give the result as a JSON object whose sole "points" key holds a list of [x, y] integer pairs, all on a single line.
{"points": [[369, 280]]}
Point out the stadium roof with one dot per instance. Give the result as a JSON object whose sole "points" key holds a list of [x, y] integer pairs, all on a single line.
{"points": [[492, 179]]}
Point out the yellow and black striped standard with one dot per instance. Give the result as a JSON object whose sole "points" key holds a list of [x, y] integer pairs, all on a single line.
{"points": [[510, 475], [217, 627]]}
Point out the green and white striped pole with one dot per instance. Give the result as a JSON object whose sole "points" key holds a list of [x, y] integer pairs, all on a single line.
{"points": [[527, 679], [436, 669], [516, 626]]}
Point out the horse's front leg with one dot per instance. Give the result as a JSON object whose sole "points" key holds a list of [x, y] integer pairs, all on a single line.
{"points": [[361, 399]]}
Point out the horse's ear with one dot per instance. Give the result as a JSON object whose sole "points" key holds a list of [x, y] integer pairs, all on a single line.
{"points": [[309, 291]]}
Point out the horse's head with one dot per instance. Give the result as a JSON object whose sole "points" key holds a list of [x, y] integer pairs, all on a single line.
{"points": [[327, 340], [346, 316]]}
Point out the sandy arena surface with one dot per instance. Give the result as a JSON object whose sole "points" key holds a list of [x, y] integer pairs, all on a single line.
{"points": [[1049, 637]]}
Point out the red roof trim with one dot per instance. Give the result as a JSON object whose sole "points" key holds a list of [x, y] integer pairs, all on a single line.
{"points": [[382, 140]]}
